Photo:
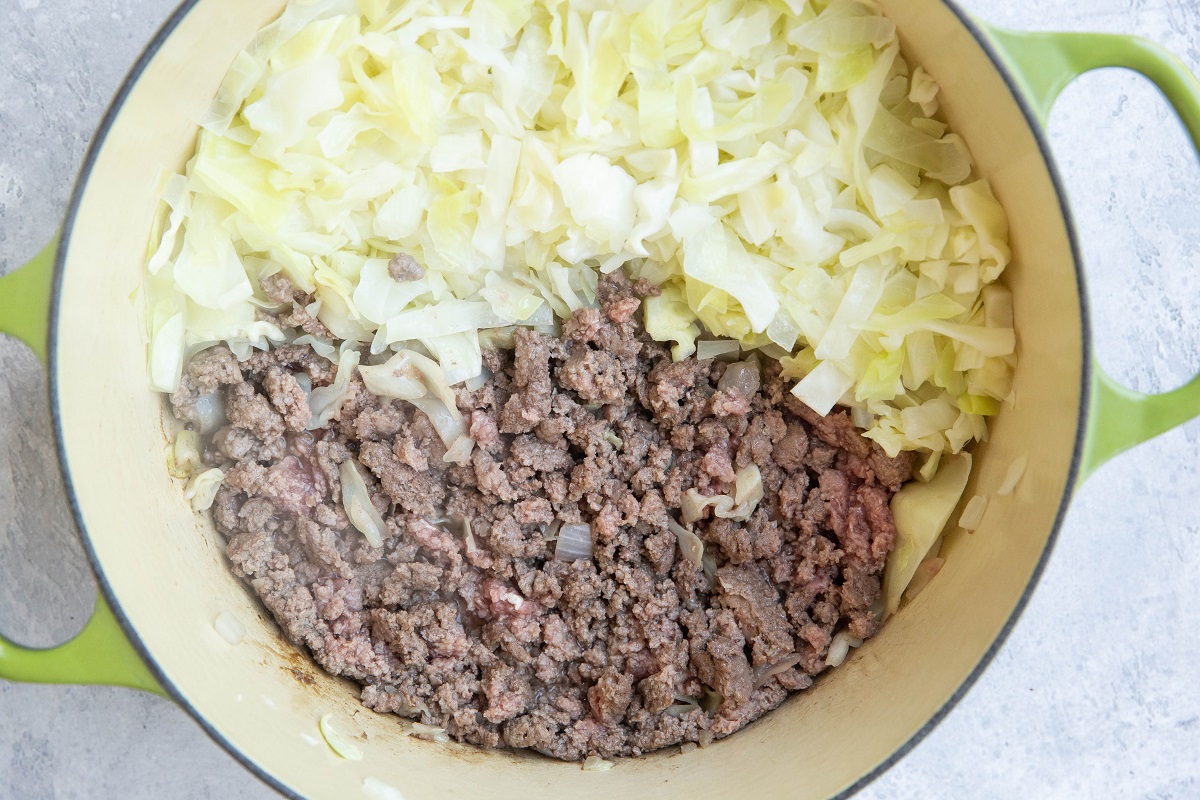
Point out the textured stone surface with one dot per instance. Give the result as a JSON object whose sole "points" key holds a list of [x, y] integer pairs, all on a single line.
{"points": [[1094, 694]]}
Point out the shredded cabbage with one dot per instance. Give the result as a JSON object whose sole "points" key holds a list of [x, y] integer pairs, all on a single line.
{"points": [[774, 166]]}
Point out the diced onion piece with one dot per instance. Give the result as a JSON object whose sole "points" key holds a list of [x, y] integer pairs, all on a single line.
{"points": [[690, 544], [229, 627], [210, 412], [691, 508], [337, 742], [681, 706], [748, 486], [430, 733], [711, 701], [1016, 471], [613, 439], [185, 454], [743, 376], [596, 764], [765, 672], [972, 515], [359, 508], [574, 543], [469, 536], [862, 418], [687, 747], [460, 451], [716, 348], [839, 648], [924, 574], [202, 489], [704, 738]]}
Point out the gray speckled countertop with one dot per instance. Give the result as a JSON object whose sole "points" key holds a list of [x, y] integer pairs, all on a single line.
{"points": [[1093, 696]]}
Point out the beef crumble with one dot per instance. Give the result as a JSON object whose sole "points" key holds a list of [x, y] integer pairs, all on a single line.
{"points": [[464, 618]]}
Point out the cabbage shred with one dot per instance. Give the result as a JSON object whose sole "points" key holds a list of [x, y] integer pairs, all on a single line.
{"points": [[775, 166]]}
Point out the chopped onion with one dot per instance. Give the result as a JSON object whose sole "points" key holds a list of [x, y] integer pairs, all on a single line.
{"points": [[202, 489], [715, 348], [1016, 470], [862, 418], [743, 376], [574, 543], [689, 544], [596, 764], [430, 733], [764, 673], [748, 487], [229, 627], [357, 502], [749, 478], [184, 455], [704, 738], [613, 439], [460, 451], [972, 515], [469, 535], [839, 648], [210, 412], [337, 742], [683, 705], [925, 573], [687, 747], [711, 701], [550, 532]]}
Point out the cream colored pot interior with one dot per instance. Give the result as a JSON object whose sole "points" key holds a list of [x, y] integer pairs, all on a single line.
{"points": [[166, 568]]}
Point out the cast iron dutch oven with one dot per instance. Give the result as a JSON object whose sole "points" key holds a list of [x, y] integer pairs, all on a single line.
{"points": [[161, 567]]}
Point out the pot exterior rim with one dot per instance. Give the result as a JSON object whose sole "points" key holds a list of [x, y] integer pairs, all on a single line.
{"points": [[179, 696]]}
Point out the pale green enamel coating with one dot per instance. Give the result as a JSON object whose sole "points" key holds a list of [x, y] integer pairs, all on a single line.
{"points": [[25, 300], [100, 653], [1043, 64]]}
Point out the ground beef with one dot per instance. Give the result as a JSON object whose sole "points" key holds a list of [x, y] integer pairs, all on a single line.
{"points": [[464, 619]]}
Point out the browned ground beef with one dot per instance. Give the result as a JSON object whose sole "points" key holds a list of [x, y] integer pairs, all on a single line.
{"points": [[499, 642]]}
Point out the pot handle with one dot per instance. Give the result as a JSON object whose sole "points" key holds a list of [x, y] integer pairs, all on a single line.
{"points": [[25, 300], [1043, 64], [100, 653]]}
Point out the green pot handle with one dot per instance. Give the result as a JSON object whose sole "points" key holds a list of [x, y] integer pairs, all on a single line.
{"points": [[100, 653], [1043, 64]]}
